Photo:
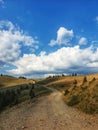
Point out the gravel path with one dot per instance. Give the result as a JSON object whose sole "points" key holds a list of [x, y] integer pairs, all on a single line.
{"points": [[47, 113]]}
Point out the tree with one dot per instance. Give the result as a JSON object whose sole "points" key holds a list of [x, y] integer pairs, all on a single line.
{"points": [[31, 93], [33, 86], [63, 75], [1, 74], [75, 74]]}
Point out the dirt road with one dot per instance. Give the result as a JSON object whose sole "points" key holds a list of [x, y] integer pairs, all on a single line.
{"points": [[47, 113]]}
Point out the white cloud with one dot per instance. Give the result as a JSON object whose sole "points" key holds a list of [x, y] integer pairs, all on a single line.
{"points": [[47, 75], [64, 60], [96, 18], [1, 1], [83, 41], [64, 36], [11, 40]]}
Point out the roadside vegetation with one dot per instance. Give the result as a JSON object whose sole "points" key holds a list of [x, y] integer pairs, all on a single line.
{"points": [[78, 91], [83, 96], [13, 95]]}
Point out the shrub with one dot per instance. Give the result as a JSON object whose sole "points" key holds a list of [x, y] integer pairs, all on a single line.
{"points": [[33, 86], [8, 98], [84, 79], [94, 79], [31, 93], [21, 88], [22, 77], [75, 81], [73, 101], [84, 87], [96, 85], [18, 91], [88, 107], [66, 92]]}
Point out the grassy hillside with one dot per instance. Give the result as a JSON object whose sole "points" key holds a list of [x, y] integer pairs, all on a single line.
{"points": [[16, 90], [6, 81], [78, 91], [83, 94]]}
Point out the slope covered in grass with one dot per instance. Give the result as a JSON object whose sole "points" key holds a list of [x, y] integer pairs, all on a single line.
{"points": [[79, 91], [17, 90], [83, 96], [6, 81]]}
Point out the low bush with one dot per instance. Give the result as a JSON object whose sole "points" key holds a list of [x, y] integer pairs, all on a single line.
{"points": [[73, 101], [66, 92], [75, 82], [88, 107], [84, 79]]}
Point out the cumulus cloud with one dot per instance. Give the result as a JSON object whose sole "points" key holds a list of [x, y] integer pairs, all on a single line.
{"points": [[64, 60], [64, 36], [83, 41], [11, 40]]}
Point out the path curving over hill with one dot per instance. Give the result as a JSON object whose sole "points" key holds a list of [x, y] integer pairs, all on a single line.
{"points": [[47, 113]]}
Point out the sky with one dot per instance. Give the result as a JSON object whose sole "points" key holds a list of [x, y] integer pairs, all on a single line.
{"points": [[39, 38]]}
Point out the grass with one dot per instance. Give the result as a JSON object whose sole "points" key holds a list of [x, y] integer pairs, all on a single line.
{"points": [[83, 96], [79, 91], [73, 101], [40, 90], [8, 81], [21, 89]]}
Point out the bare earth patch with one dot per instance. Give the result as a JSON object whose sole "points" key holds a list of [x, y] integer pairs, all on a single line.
{"points": [[47, 113]]}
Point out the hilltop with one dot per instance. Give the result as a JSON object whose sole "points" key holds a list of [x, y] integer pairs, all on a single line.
{"points": [[8, 81]]}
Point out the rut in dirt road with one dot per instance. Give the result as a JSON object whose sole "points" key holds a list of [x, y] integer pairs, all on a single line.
{"points": [[49, 113]]}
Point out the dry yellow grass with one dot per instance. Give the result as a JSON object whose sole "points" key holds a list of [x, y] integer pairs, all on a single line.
{"points": [[83, 95], [6, 81], [70, 79]]}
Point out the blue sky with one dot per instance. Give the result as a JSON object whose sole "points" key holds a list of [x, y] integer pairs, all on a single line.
{"points": [[46, 37]]}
